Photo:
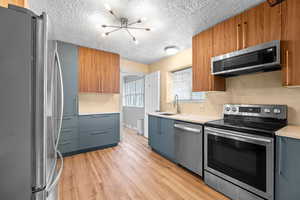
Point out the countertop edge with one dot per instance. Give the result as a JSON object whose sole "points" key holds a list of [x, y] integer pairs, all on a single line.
{"points": [[187, 118], [290, 131], [102, 113]]}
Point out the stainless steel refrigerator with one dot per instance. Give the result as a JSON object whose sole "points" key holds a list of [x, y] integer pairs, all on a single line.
{"points": [[31, 106]]}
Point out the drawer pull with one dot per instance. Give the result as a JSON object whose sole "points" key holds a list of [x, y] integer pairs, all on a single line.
{"points": [[98, 133], [238, 36], [245, 35], [287, 68], [65, 143], [66, 130], [67, 118]]}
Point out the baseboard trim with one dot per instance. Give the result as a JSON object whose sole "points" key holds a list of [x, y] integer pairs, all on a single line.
{"points": [[89, 149]]}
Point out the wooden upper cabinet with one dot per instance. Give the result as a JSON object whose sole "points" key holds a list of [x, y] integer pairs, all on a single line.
{"points": [[202, 53], [99, 71], [291, 43], [261, 24], [21, 3], [227, 36]]}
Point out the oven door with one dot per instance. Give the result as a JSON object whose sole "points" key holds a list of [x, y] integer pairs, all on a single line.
{"points": [[240, 158]]}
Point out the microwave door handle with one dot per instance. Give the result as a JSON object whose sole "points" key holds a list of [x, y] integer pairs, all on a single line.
{"points": [[237, 136]]}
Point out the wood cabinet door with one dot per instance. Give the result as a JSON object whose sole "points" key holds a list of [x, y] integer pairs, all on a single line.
{"points": [[202, 53], [261, 24], [20, 3], [291, 43], [111, 73], [99, 71], [227, 36], [88, 76]]}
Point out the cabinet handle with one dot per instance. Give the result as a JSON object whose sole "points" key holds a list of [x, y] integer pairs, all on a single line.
{"points": [[66, 130], [287, 68], [98, 133], [76, 105], [238, 36], [245, 35], [65, 143]]}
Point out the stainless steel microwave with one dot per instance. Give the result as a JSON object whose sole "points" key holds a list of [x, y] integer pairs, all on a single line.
{"points": [[260, 58]]}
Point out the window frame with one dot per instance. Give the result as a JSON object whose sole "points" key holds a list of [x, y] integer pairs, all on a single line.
{"points": [[191, 100], [131, 96]]}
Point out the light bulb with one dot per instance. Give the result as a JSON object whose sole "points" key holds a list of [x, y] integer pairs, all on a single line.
{"points": [[105, 34]]}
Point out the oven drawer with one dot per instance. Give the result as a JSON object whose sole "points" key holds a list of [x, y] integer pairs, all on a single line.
{"points": [[230, 190]]}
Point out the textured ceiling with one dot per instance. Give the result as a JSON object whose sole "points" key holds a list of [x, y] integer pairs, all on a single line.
{"points": [[174, 23]]}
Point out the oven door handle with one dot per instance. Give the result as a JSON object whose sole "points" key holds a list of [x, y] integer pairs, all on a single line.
{"points": [[237, 136]]}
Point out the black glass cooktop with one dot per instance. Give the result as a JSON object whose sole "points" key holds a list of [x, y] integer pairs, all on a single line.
{"points": [[262, 127]]}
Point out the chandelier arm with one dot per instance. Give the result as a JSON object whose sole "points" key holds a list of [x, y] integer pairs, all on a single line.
{"points": [[111, 26], [130, 34], [113, 14], [138, 28], [114, 30], [135, 22]]}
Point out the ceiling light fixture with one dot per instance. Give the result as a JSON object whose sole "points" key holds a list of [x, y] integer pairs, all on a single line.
{"points": [[171, 50], [125, 24]]}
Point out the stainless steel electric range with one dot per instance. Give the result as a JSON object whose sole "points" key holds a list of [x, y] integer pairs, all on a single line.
{"points": [[239, 150]]}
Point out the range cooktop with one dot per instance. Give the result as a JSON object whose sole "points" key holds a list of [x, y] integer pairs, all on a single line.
{"points": [[255, 119]]}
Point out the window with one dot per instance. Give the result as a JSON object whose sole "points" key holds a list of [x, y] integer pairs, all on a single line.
{"points": [[133, 93], [182, 86]]}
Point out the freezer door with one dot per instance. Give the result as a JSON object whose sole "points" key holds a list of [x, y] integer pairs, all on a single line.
{"points": [[51, 112], [40, 86], [46, 99], [17, 108]]}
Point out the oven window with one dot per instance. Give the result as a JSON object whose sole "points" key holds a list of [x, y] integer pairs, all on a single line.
{"points": [[240, 160]]}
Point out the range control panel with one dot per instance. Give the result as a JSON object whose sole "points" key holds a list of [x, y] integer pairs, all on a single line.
{"points": [[269, 111]]}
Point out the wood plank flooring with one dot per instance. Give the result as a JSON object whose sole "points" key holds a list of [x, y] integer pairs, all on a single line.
{"points": [[129, 171]]}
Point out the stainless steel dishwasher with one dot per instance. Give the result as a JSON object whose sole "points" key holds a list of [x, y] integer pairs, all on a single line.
{"points": [[189, 146]]}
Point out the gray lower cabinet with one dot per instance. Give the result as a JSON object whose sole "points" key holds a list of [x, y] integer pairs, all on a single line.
{"points": [[98, 130], [69, 135], [88, 132], [287, 169], [161, 136]]}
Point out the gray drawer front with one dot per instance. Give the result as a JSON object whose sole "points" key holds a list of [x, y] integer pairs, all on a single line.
{"points": [[69, 121], [97, 138], [97, 122], [66, 146], [69, 133]]}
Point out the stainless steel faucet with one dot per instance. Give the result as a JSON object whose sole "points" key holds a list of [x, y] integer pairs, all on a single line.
{"points": [[175, 103]]}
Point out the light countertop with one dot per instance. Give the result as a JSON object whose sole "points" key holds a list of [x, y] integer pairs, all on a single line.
{"points": [[186, 117], [290, 131], [100, 113]]}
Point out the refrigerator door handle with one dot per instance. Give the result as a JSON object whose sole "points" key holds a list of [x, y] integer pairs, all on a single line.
{"points": [[55, 180], [62, 96]]}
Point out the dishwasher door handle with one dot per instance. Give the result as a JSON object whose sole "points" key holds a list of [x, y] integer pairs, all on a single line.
{"points": [[186, 128]]}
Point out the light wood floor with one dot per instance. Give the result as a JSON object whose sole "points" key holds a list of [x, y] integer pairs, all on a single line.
{"points": [[129, 171]]}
